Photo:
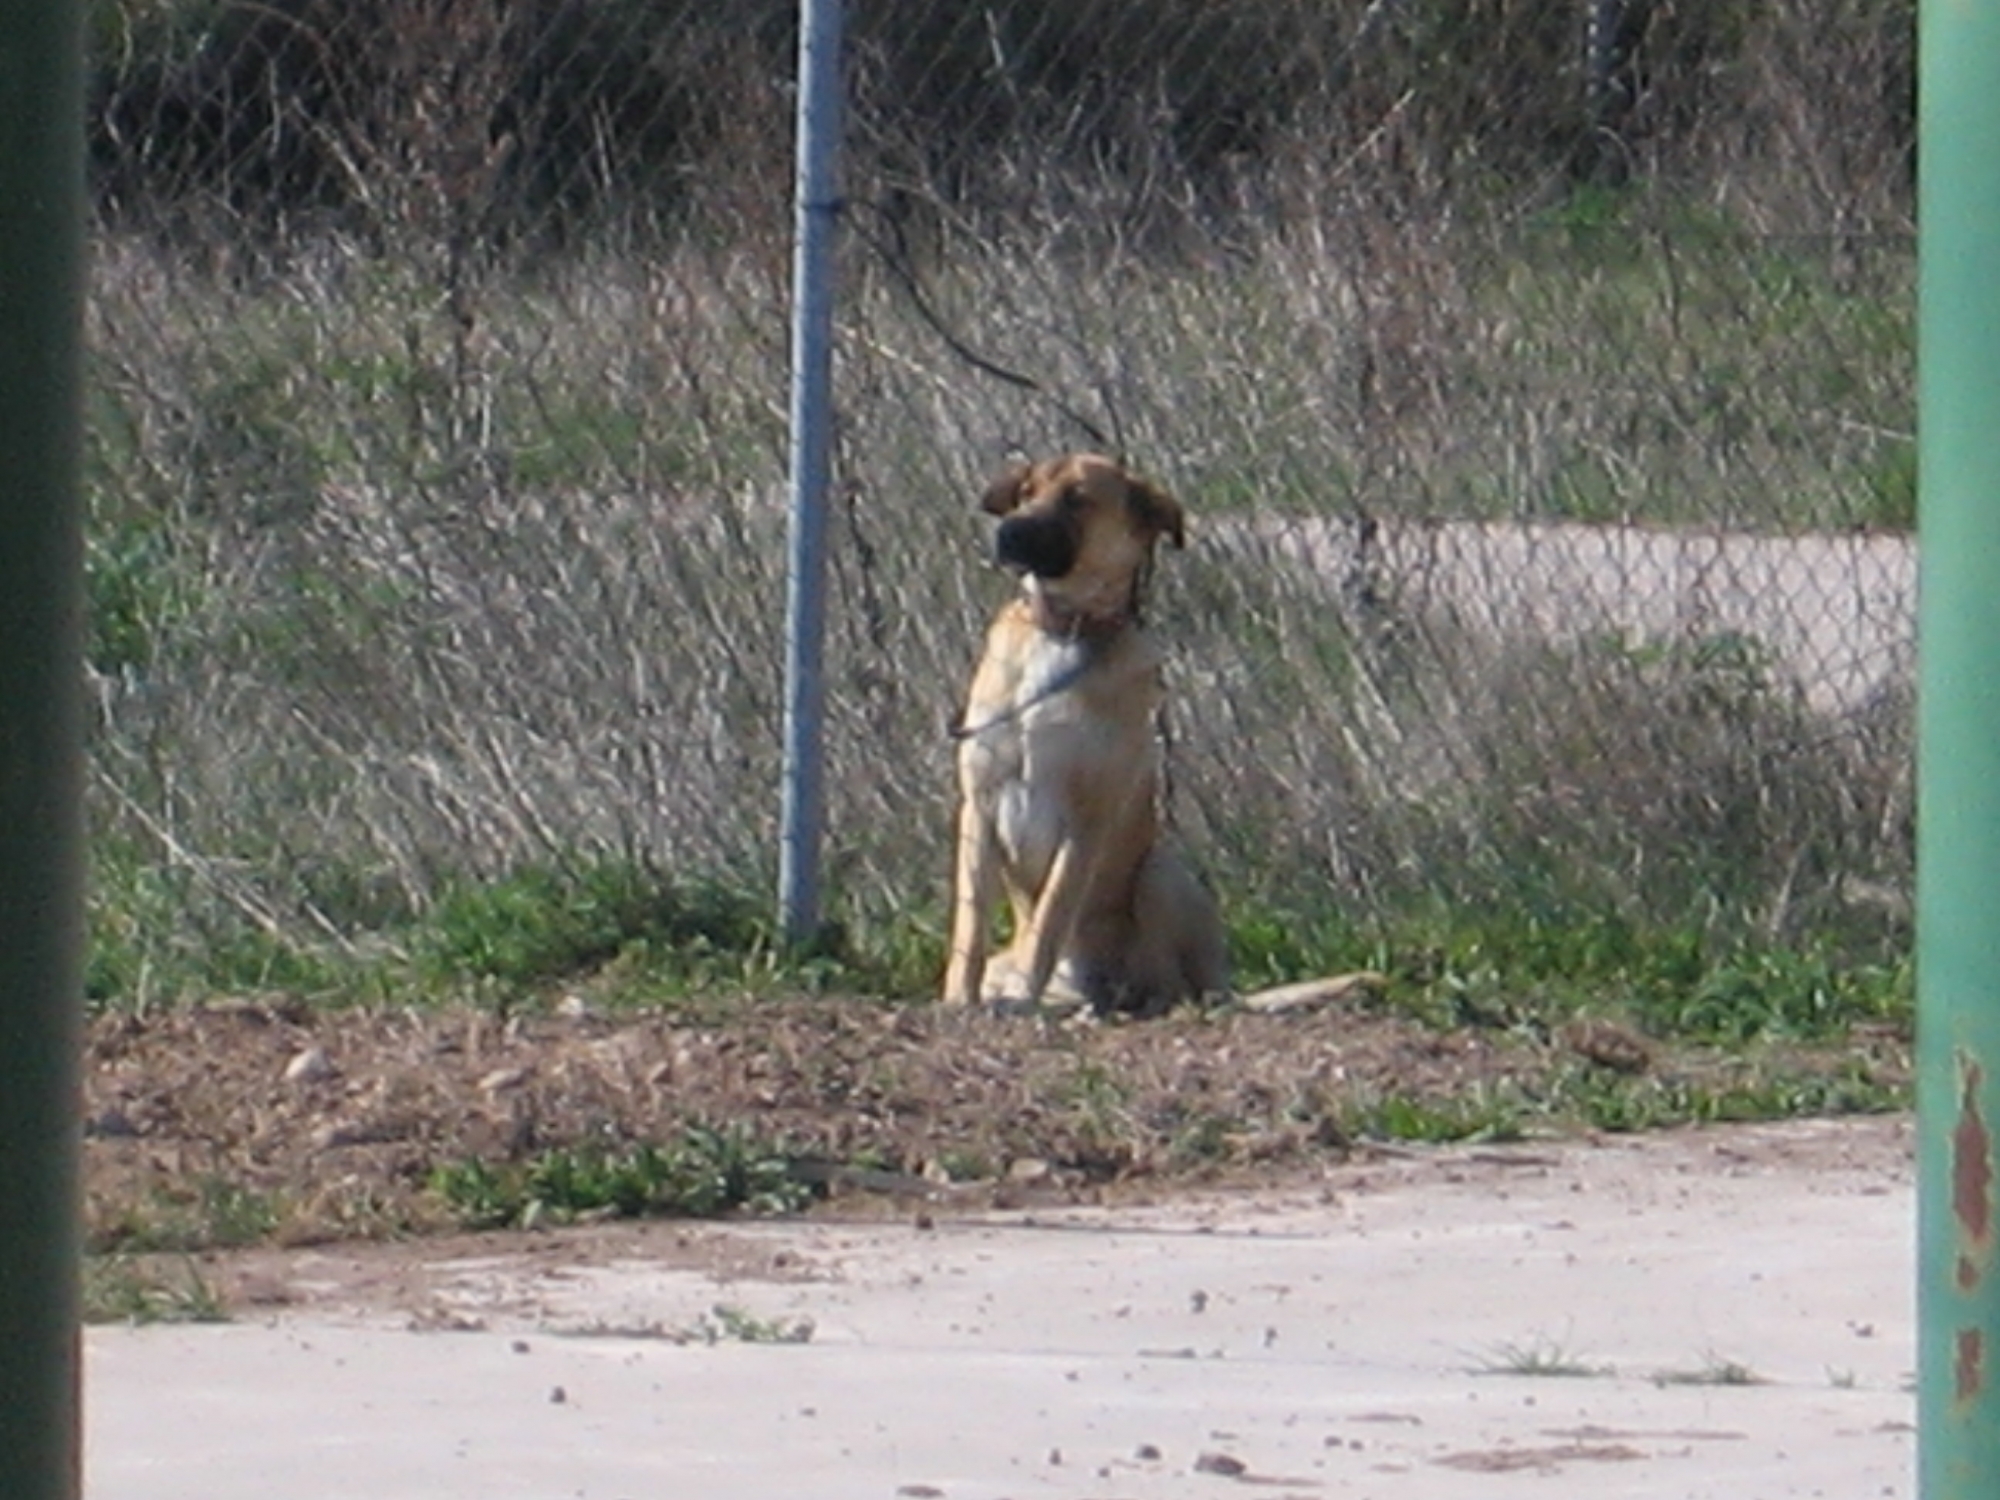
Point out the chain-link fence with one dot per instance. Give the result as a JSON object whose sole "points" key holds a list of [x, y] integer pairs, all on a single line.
{"points": [[1537, 377]]}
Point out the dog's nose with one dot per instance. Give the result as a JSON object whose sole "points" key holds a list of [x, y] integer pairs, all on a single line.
{"points": [[1042, 545]]}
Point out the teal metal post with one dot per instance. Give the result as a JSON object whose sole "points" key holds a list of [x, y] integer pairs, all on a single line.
{"points": [[1958, 760], [41, 197]]}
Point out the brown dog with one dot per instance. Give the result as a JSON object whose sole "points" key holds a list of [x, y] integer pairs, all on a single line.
{"points": [[1059, 767]]}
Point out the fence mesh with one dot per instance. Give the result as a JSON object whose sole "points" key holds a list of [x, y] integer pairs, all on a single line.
{"points": [[1538, 378]]}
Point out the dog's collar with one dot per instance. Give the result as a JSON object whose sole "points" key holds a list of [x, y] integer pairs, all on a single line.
{"points": [[1091, 632], [1091, 629]]}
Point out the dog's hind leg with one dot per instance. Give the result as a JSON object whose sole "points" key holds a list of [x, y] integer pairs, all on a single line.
{"points": [[1179, 951]]}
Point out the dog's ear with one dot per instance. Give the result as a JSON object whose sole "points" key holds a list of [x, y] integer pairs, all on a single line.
{"points": [[1003, 495], [1159, 512]]}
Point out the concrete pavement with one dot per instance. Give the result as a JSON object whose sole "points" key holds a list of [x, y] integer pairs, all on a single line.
{"points": [[1720, 1314]]}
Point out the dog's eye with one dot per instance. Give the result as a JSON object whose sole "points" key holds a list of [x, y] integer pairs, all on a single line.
{"points": [[1070, 500]]}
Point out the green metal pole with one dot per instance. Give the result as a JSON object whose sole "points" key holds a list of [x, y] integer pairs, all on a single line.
{"points": [[41, 198], [1958, 758]]}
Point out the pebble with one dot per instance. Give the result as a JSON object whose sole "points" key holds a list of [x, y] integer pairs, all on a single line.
{"points": [[310, 1066]]}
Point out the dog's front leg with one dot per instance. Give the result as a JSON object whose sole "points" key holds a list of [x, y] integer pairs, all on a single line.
{"points": [[1056, 913], [975, 888]]}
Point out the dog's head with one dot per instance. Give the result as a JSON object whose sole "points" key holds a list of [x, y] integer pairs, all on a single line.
{"points": [[1082, 528]]}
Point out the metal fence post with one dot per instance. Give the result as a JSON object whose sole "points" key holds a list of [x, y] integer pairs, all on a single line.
{"points": [[41, 175], [1958, 821], [1604, 101], [816, 220]]}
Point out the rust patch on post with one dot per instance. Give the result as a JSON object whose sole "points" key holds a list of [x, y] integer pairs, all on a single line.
{"points": [[1972, 1165], [1972, 1206], [1971, 1366]]}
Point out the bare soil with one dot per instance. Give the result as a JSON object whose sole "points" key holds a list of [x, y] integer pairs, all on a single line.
{"points": [[271, 1121]]}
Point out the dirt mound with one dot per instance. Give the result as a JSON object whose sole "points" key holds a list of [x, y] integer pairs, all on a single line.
{"points": [[272, 1121]]}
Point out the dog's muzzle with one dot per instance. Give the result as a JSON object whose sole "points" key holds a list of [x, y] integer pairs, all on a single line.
{"points": [[1042, 545]]}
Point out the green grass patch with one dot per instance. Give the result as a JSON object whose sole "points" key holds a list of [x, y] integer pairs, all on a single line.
{"points": [[1500, 1111], [627, 936], [1774, 993], [1771, 1092], [1480, 1115], [637, 938], [164, 932], [546, 922], [1522, 969], [207, 1212], [728, 1324], [709, 1170], [122, 1289], [1537, 1359]]}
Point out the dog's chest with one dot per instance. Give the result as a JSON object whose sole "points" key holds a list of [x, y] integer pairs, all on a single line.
{"points": [[1040, 719], [1071, 723]]}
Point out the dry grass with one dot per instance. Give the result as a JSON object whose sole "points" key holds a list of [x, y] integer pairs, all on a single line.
{"points": [[386, 596]]}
